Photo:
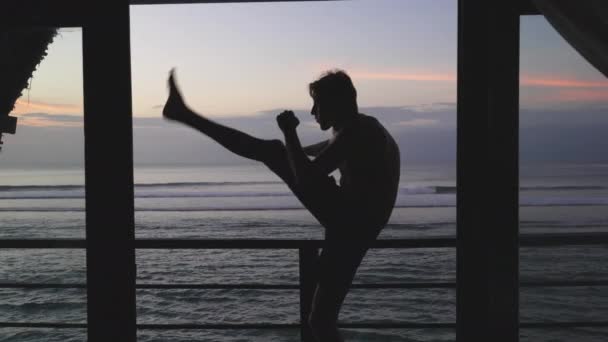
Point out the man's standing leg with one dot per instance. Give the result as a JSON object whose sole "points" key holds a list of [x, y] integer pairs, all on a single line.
{"points": [[337, 268]]}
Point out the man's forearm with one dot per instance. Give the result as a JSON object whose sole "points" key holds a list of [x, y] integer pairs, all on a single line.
{"points": [[315, 149], [301, 166]]}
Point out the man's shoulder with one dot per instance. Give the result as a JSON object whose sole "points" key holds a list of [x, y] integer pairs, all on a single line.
{"points": [[365, 121], [371, 125], [366, 117]]}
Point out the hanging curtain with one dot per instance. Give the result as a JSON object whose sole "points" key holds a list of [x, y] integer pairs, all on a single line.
{"points": [[584, 24]]}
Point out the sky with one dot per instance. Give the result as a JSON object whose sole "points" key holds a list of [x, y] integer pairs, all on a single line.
{"points": [[242, 64]]}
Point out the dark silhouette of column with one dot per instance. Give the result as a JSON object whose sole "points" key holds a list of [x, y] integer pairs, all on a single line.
{"points": [[109, 172], [487, 233]]}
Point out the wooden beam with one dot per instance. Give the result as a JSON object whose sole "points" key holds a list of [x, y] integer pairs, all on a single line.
{"points": [[28, 13], [526, 7], [502, 186], [472, 116], [109, 173], [177, 2]]}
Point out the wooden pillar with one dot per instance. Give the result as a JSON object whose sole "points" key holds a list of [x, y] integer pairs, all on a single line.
{"points": [[487, 175], [502, 213], [109, 172]]}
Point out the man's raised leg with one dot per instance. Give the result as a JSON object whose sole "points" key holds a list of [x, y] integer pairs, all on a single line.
{"points": [[317, 196], [234, 140]]}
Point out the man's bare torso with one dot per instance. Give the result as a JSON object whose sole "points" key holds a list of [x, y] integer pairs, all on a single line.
{"points": [[370, 170]]}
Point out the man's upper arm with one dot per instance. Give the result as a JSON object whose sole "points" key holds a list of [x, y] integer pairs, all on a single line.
{"points": [[315, 149], [332, 155]]}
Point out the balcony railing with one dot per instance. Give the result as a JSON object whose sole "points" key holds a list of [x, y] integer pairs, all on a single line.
{"points": [[308, 251]]}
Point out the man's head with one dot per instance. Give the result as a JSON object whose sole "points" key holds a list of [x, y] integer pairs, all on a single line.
{"points": [[335, 99]]}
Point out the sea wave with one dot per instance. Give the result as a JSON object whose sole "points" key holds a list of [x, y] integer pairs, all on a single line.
{"points": [[239, 189]]}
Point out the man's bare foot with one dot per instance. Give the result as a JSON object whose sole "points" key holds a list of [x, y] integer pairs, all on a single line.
{"points": [[175, 108]]}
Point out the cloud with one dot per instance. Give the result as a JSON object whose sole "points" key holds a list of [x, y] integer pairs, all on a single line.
{"points": [[446, 104], [418, 123], [50, 120], [565, 98], [395, 76], [432, 107], [526, 80], [583, 95], [311, 124], [23, 106], [577, 133], [561, 83]]}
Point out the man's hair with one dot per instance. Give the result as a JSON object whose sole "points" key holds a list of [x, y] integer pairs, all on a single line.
{"points": [[336, 88]]}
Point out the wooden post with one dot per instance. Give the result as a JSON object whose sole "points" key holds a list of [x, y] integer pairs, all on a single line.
{"points": [[487, 175], [308, 280], [471, 269], [109, 172], [502, 214]]}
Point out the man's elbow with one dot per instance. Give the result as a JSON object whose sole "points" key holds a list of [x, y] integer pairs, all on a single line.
{"points": [[313, 179]]}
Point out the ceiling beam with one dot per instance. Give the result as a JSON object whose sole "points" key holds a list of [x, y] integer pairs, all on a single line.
{"points": [[176, 2], [526, 7]]}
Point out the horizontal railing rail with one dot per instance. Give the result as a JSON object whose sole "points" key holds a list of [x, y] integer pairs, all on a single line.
{"points": [[308, 251], [373, 286], [525, 240]]}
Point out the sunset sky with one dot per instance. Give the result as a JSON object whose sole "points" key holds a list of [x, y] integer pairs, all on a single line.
{"points": [[239, 59], [248, 60]]}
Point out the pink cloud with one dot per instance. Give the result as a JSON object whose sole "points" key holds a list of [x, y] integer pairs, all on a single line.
{"points": [[50, 120], [24, 106], [403, 76], [41, 122], [526, 80], [561, 83]]}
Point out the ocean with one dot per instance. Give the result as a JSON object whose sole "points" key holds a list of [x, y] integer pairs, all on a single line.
{"points": [[248, 202]]}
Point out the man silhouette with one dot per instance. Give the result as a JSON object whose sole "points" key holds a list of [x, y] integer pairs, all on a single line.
{"points": [[353, 212]]}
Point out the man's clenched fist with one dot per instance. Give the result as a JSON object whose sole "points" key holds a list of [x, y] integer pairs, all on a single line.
{"points": [[287, 120]]}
